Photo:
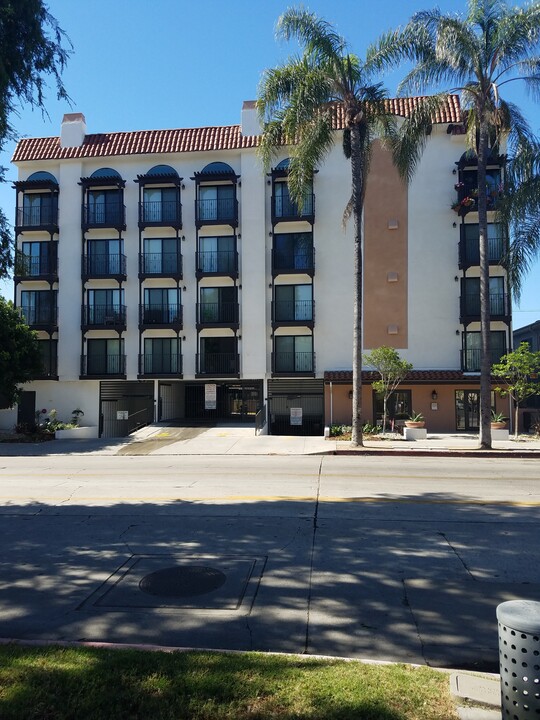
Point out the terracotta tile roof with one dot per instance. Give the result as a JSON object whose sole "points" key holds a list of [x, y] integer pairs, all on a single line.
{"points": [[413, 378], [229, 137], [136, 143]]}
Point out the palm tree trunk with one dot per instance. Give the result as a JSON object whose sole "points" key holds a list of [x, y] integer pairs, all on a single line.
{"points": [[357, 203], [485, 337]]}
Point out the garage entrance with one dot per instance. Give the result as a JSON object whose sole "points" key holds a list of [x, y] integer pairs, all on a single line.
{"points": [[125, 406], [296, 407]]}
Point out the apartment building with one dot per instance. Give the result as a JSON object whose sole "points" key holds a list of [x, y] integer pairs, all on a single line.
{"points": [[169, 276]]}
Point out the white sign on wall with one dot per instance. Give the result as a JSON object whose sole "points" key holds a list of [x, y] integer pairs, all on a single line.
{"points": [[122, 414], [296, 416], [210, 396]]}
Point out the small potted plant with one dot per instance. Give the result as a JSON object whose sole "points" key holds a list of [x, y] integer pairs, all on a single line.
{"points": [[416, 420], [498, 420]]}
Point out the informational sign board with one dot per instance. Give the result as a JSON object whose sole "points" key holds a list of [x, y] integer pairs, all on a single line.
{"points": [[122, 414], [296, 416], [210, 396]]}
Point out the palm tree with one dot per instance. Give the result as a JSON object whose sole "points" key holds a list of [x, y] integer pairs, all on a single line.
{"points": [[297, 104], [520, 213], [475, 56]]}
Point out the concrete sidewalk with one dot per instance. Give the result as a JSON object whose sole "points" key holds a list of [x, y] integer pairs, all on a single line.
{"points": [[164, 439], [161, 439]]}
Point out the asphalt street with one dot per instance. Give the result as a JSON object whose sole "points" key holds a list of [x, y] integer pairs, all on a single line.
{"points": [[372, 557]]}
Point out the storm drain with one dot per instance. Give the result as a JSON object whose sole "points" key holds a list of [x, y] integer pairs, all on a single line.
{"points": [[183, 582], [180, 581]]}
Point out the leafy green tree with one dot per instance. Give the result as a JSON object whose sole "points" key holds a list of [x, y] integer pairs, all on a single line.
{"points": [[392, 369], [519, 370], [32, 49], [20, 358], [297, 104], [474, 55]]}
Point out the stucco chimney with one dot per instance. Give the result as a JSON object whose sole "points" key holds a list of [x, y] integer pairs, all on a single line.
{"points": [[250, 122], [73, 130]]}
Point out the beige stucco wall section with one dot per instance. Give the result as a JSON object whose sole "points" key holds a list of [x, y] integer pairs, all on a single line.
{"points": [[385, 251]]}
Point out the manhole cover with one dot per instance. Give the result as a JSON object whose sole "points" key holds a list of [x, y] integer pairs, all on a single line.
{"points": [[182, 581]]}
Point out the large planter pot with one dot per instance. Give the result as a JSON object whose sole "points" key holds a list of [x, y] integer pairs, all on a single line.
{"points": [[78, 433], [498, 425], [415, 423]]}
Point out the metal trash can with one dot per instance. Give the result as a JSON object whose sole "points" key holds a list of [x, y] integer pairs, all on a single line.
{"points": [[519, 659]]}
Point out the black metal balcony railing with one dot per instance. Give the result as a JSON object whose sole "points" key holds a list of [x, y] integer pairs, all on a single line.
{"points": [[161, 212], [221, 313], [224, 210], [297, 261], [49, 369], [105, 265], [498, 305], [158, 364], [469, 252], [218, 364], [297, 311], [110, 215], [105, 316], [470, 358], [161, 314], [283, 208], [37, 217], [217, 262], [103, 365], [166, 264], [30, 266], [42, 315], [293, 362]]}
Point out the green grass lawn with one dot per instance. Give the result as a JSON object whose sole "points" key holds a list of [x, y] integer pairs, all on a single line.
{"points": [[55, 683]]}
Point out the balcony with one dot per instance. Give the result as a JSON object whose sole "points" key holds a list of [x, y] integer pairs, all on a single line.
{"points": [[50, 371], [104, 266], [218, 364], [293, 262], [152, 365], [499, 307], [470, 358], [167, 264], [285, 210], [293, 363], [160, 315], [220, 211], [37, 217], [160, 213], [103, 366], [103, 317], [293, 313], [215, 263], [29, 267], [220, 314], [111, 215], [469, 252], [43, 317]]}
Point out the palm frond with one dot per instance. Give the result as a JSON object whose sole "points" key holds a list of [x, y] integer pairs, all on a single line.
{"points": [[407, 142]]}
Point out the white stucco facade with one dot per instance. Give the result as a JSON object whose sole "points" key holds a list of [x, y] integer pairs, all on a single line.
{"points": [[254, 338]]}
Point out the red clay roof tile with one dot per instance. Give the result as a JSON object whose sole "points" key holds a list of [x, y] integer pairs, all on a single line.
{"points": [[412, 378], [181, 140]]}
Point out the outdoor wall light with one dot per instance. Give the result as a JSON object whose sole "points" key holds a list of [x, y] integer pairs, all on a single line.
{"points": [[454, 224], [454, 171], [350, 394], [434, 396]]}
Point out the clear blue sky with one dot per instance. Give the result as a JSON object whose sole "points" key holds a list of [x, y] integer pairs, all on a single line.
{"points": [[140, 65]]}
